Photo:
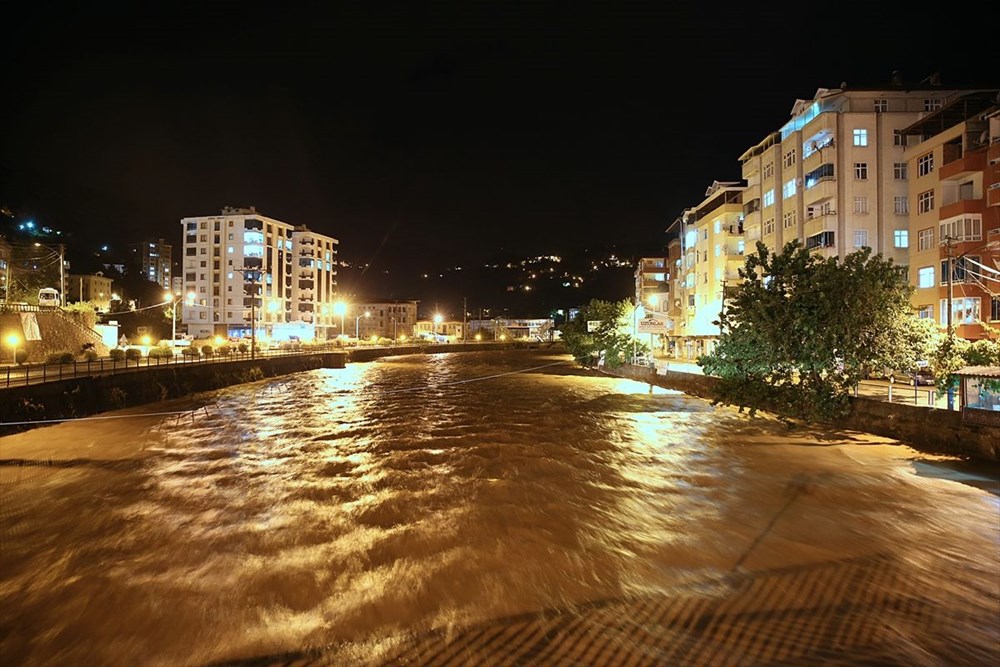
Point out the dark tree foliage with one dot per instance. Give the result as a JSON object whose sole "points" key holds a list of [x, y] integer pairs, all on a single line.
{"points": [[612, 336], [802, 330]]}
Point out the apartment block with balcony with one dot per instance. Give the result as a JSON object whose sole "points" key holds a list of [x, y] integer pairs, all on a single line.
{"points": [[955, 223], [713, 248], [834, 176], [652, 280], [246, 270], [155, 258]]}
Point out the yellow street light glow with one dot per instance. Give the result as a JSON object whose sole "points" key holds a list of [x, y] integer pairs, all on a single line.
{"points": [[402, 337], [479, 336], [653, 300], [218, 340], [340, 308], [273, 306], [374, 338], [437, 318], [13, 339], [145, 340]]}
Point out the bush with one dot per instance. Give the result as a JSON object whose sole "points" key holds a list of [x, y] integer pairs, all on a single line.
{"points": [[20, 356], [243, 348], [133, 354], [190, 352], [90, 355], [163, 352], [207, 350], [117, 354], [61, 357], [224, 350]]}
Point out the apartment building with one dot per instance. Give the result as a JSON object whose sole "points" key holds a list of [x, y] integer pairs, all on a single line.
{"points": [[652, 282], [95, 288], [834, 177], [955, 185], [391, 319], [246, 269], [154, 257], [712, 246]]}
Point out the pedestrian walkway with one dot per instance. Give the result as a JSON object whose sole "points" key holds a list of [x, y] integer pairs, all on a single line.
{"points": [[877, 389]]}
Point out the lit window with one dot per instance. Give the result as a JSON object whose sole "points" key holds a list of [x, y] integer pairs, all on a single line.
{"points": [[788, 189], [718, 249], [925, 277], [964, 310], [769, 198], [860, 238], [860, 137]]}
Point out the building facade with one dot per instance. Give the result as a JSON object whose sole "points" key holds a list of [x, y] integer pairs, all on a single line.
{"points": [[246, 269], [154, 257], [652, 282], [712, 247], [395, 320], [834, 177], [955, 223], [94, 288]]}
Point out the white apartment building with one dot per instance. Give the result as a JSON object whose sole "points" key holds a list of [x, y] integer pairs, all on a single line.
{"points": [[243, 267], [834, 177]]}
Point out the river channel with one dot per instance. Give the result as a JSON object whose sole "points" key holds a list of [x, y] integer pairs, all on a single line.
{"points": [[481, 509]]}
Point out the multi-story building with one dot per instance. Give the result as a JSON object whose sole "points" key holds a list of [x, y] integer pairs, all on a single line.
{"points": [[712, 246], [94, 288], [955, 185], [834, 177], [154, 257], [386, 319], [652, 282], [244, 267], [452, 329]]}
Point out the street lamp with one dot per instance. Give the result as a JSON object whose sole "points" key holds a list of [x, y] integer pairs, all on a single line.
{"points": [[437, 320], [357, 321], [172, 299], [948, 316], [14, 340], [340, 308]]}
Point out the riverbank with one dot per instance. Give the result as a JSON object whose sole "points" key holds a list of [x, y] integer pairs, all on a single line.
{"points": [[26, 407], [925, 428]]}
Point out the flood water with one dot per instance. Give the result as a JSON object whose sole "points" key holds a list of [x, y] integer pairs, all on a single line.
{"points": [[393, 511]]}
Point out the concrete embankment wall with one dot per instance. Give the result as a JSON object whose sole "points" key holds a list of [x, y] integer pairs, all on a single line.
{"points": [[84, 396], [927, 429]]}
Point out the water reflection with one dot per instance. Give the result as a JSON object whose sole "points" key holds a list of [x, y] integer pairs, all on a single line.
{"points": [[349, 510]]}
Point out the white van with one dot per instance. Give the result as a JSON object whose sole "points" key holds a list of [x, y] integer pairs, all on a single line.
{"points": [[48, 297]]}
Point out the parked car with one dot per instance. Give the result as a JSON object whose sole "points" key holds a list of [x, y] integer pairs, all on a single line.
{"points": [[924, 377]]}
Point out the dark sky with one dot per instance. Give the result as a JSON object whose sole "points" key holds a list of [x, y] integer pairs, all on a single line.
{"points": [[450, 130]]}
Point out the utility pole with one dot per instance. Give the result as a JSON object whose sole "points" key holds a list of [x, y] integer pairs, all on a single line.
{"points": [[465, 333], [951, 329], [253, 275], [722, 312], [62, 274]]}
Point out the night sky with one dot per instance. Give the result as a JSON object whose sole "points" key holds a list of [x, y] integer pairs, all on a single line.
{"points": [[431, 133]]}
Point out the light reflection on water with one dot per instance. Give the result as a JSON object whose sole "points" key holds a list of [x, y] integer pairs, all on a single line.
{"points": [[390, 498]]}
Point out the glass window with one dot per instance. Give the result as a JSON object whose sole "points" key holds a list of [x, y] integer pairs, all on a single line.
{"points": [[861, 205], [925, 201], [861, 171], [925, 277], [898, 138], [860, 238], [932, 104], [788, 189], [925, 239], [899, 171], [768, 226], [901, 238], [769, 198], [789, 158], [900, 205], [925, 164], [964, 310], [788, 220], [881, 106], [860, 137], [925, 312], [769, 170]]}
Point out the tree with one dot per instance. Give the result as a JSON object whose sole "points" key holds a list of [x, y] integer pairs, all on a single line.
{"points": [[802, 330], [612, 336]]}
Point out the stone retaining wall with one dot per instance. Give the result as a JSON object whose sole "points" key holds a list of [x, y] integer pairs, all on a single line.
{"points": [[925, 428]]}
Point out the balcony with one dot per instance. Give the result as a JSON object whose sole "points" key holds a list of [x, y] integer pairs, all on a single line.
{"points": [[963, 166], [962, 207], [821, 190], [751, 206], [819, 224], [820, 241]]}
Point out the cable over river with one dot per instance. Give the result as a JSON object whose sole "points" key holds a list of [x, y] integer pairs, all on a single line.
{"points": [[485, 509]]}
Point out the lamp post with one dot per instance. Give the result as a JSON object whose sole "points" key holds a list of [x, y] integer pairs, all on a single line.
{"points": [[172, 299], [437, 320], [340, 308], [357, 322], [948, 316], [14, 340]]}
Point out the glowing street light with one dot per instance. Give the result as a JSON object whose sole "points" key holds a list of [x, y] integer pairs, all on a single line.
{"points": [[437, 320], [171, 298], [340, 308], [14, 340], [357, 321]]}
